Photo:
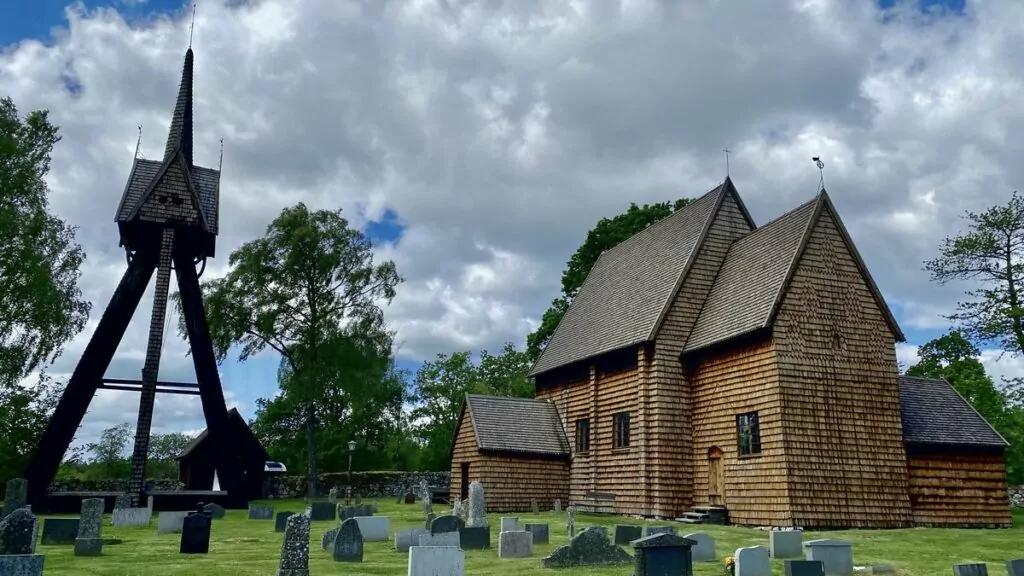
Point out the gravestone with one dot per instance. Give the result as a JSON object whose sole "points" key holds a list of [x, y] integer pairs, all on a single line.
{"points": [[281, 520], [457, 508], [15, 497], [405, 539], [440, 539], [295, 549], [90, 523], [348, 543], [195, 534], [261, 511], [753, 561], [652, 530], [703, 548], [785, 543], [134, 517], [624, 534], [374, 507], [539, 531], [170, 522], [477, 506], [517, 544], [436, 561], [964, 570], [804, 568], [510, 524], [534, 506], [57, 531], [17, 533], [373, 528], [662, 554], [425, 496], [327, 540], [410, 497], [558, 505], [475, 537], [570, 521], [590, 547], [1015, 567], [365, 510], [430, 520], [332, 494], [835, 555], [321, 511], [346, 512], [216, 510], [446, 524], [122, 501], [22, 565]]}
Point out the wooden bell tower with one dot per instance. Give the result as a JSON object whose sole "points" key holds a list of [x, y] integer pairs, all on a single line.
{"points": [[167, 220]]}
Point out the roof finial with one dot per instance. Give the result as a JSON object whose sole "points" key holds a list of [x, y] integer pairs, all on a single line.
{"points": [[221, 163], [192, 28], [726, 150], [138, 143], [821, 170]]}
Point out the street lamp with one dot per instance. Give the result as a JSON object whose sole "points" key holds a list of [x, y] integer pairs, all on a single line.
{"points": [[351, 450]]}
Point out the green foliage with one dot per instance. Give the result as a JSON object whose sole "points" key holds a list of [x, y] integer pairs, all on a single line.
{"points": [[24, 413], [109, 460], [990, 255], [605, 235], [41, 307], [293, 291]]}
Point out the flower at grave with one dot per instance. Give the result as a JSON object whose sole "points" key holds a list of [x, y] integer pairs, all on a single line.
{"points": [[729, 565]]}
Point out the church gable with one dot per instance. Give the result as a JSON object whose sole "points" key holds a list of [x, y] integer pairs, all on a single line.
{"points": [[171, 198]]}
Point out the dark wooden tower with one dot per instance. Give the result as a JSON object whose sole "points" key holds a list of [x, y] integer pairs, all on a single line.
{"points": [[168, 221]]}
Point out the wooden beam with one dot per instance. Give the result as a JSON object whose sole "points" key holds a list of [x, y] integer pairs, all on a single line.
{"points": [[139, 389], [158, 383]]}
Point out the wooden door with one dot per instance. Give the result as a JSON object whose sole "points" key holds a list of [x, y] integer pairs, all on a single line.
{"points": [[464, 488], [716, 477]]}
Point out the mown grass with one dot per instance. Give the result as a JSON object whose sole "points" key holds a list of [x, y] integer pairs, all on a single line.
{"points": [[242, 547]]}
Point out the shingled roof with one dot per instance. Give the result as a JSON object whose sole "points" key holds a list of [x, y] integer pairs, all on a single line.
{"points": [[934, 413], [521, 425], [623, 298]]}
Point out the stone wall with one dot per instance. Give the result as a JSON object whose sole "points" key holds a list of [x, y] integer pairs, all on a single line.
{"points": [[119, 485], [1017, 497]]}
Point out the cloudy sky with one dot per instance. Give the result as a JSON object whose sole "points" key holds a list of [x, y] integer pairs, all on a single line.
{"points": [[477, 142]]}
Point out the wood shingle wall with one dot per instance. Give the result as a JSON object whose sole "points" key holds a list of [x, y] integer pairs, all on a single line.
{"points": [[959, 490], [840, 397]]}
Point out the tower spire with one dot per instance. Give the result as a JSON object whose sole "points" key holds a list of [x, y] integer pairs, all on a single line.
{"points": [[180, 136]]}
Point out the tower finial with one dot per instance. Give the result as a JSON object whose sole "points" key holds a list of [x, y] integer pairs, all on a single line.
{"points": [[726, 150], [192, 28], [138, 143], [821, 171], [220, 165]]}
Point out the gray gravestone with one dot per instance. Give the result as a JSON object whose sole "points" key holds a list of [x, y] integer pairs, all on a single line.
{"points": [[590, 547], [964, 570], [170, 522], [703, 549], [17, 533], [22, 565], [477, 506], [15, 497], [753, 561], [348, 544], [426, 496], [430, 520], [475, 537], [517, 544], [122, 501], [327, 540], [195, 534], [346, 512], [216, 510], [321, 511], [835, 555], [332, 494], [1015, 567], [134, 517], [57, 531], [804, 568], [558, 505], [785, 543], [510, 524], [90, 523], [281, 520], [457, 508], [539, 531], [534, 506], [440, 539], [570, 521], [624, 534], [652, 530], [662, 554], [436, 561], [295, 549], [446, 524], [406, 539], [261, 511]]}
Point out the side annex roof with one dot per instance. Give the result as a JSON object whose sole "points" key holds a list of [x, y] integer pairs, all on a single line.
{"points": [[514, 425], [934, 413]]}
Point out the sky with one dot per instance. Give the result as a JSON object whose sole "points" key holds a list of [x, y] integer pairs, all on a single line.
{"points": [[477, 142]]}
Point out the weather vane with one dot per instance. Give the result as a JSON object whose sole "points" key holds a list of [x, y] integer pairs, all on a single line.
{"points": [[821, 170], [726, 150], [192, 28]]}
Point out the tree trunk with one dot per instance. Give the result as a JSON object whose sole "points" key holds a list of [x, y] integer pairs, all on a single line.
{"points": [[311, 450]]}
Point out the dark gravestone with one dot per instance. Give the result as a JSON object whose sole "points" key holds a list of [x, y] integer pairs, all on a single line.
{"points": [[804, 568], [623, 534], [122, 501], [327, 540], [215, 511], [540, 533], [281, 520], [348, 543], [1015, 567], [410, 498], [446, 524], [18, 533], [321, 511], [15, 497], [261, 511], [430, 520], [970, 570], [475, 538], [662, 554], [195, 534], [59, 531], [365, 510], [590, 547]]}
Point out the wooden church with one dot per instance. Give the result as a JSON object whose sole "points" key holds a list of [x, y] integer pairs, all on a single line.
{"points": [[710, 367]]}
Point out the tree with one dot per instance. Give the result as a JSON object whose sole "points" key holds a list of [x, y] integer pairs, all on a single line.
{"points": [[605, 235], [109, 459], [163, 453], [41, 306], [507, 374], [24, 414], [991, 254], [295, 291]]}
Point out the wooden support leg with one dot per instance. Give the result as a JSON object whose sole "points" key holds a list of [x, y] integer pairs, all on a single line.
{"points": [[86, 378]]}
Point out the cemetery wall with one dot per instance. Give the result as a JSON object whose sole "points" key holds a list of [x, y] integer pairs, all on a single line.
{"points": [[959, 490], [844, 445]]}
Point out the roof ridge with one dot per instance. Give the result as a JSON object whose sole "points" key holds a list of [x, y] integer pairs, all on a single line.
{"points": [[516, 398]]}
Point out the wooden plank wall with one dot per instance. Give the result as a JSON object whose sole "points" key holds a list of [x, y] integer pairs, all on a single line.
{"points": [[510, 481], [727, 385], [669, 452], [959, 490], [840, 396]]}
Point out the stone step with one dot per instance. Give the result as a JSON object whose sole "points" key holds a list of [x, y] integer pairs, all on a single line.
{"points": [[690, 520], [695, 515]]}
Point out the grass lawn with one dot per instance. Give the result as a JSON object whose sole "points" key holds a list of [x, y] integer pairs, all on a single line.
{"points": [[243, 547]]}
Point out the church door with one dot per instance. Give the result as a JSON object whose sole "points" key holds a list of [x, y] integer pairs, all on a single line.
{"points": [[716, 477]]}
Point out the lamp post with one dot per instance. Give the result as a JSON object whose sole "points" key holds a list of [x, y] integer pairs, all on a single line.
{"points": [[351, 450]]}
